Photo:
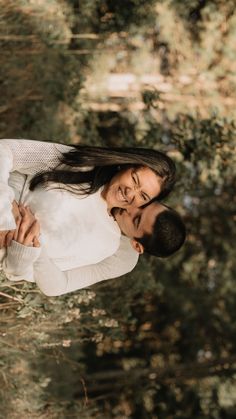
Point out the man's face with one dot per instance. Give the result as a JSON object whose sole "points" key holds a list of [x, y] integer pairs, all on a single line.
{"points": [[136, 222], [133, 186]]}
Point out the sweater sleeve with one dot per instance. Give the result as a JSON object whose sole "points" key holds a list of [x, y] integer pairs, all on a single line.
{"points": [[53, 282], [27, 157], [18, 261]]}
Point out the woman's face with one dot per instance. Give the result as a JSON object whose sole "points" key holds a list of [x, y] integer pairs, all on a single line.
{"points": [[133, 186]]}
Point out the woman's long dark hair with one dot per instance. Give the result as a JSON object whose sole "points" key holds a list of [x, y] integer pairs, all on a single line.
{"points": [[85, 169]]}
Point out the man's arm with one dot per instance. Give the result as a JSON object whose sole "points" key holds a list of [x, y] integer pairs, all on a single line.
{"points": [[53, 282]]}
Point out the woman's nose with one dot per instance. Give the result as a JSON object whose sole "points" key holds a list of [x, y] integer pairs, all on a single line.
{"points": [[133, 197], [130, 195]]}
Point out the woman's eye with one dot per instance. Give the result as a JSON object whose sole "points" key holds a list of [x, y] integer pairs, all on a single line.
{"points": [[144, 197], [135, 179], [137, 221]]}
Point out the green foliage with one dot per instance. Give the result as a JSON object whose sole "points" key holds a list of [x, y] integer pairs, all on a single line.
{"points": [[41, 72], [108, 16]]}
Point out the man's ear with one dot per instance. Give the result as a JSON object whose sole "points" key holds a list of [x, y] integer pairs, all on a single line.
{"points": [[137, 246]]}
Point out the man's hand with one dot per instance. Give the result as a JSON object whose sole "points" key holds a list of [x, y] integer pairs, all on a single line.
{"points": [[29, 228], [6, 236]]}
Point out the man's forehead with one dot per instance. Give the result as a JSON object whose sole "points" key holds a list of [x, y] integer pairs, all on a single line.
{"points": [[149, 214], [153, 206]]}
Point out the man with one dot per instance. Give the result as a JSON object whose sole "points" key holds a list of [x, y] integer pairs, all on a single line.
{"points": [[80, 243], [154, 228]]}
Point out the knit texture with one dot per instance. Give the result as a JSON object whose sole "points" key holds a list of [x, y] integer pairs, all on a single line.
{"points": [[80, 243]]}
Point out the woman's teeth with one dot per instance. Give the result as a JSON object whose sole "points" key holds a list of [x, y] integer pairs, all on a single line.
{"points": [[121, 196]]}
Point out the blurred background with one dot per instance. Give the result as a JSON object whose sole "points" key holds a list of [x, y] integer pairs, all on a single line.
{"points": [[161, 342]]}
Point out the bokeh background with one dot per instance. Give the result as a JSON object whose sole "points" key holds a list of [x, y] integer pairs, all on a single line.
{"points": [[161, 342]]}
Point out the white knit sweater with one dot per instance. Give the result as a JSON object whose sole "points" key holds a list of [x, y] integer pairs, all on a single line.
{"points": [[80, 243]]}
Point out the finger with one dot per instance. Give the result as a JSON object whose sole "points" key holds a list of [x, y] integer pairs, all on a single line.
{"points": [[29, 216], [29, 209], [25, 225], [29, 239], [36, 242], [22, 210], [32, 233], [18, 219], [15, 210], [3, 235], [18, 222], [9, 238], [22, 230]]}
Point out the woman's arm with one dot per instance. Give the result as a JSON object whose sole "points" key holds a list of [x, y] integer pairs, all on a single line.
{"points": [[33, 264], [7, 236], [27, 157], [18, 262], [26, 260], [53, 282]]}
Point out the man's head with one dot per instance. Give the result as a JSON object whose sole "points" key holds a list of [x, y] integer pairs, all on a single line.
{"points": [[155, 228]]}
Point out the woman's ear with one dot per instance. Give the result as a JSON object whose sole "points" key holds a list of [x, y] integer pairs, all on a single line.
{"points": [[137, 246]]}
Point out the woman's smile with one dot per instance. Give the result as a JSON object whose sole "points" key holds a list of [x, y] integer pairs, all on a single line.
{"points": [[126, 194], [136, 186], [121, 195]]}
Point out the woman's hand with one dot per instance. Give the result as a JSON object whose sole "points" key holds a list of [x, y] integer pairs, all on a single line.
{"points": [[6, 236], [29, 228], [3, 235]]}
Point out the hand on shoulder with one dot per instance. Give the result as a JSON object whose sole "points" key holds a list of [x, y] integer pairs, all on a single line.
{"points": [[29, 228], [6, 236]]}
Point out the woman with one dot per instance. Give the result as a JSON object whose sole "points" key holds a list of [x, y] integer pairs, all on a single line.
{"points": [[71, 190]]}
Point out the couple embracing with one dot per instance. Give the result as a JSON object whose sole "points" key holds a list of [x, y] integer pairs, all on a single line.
{"points": [[71, 216]]}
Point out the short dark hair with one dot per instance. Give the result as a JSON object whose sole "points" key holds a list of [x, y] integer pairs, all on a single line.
{"points": [[168, 234]]}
